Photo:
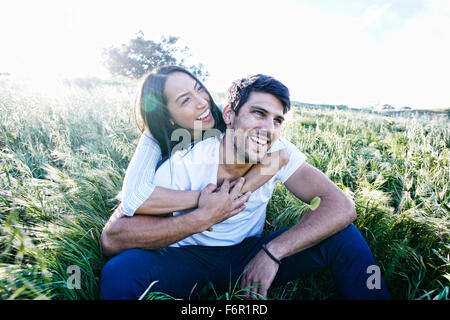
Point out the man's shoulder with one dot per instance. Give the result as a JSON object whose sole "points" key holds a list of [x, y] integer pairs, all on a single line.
{"points": [[296, 158], [283, 143]]}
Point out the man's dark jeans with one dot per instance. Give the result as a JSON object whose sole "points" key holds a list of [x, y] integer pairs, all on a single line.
{"points": [[183, 272]]}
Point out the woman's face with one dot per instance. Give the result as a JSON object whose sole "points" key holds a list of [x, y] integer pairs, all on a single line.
{"points": [[188, 102]]}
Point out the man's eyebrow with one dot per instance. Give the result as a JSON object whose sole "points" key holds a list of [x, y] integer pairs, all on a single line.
{"points": [[259, 108], [265, 111]]}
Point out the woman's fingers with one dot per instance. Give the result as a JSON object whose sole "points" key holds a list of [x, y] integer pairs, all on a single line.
{"points": [[225, 187], [236, 211], [236, 188], [238, 203], [210, 188]]}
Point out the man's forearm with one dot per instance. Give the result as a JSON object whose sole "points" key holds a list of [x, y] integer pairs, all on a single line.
{"points": [[147, 232], [333, 215]]}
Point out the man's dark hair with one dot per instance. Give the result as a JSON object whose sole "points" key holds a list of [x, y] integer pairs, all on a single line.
{"points": [[240, 91]]}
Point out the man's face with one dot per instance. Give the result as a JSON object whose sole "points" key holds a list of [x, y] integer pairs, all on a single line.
{"points": [[256, 126]]}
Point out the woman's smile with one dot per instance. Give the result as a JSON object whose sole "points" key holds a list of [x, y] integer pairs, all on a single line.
{"points": [[205, 116]]}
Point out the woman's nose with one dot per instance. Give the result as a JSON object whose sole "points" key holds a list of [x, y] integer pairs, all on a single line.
{"points": [[201, 102]]}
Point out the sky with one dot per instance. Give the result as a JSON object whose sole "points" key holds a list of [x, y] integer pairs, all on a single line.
{"points": [[352, 52]]}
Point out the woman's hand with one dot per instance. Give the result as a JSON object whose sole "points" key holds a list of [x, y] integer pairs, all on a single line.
{"points": [[219, 204], [274, 161], [260, 173]]}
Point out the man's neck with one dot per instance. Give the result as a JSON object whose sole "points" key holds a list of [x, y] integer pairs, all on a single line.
{"points": [[231, 166]]}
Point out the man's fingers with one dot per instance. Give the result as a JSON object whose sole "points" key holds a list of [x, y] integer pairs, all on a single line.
{"points": [[245, 286], [253, 293], [262, 292]]}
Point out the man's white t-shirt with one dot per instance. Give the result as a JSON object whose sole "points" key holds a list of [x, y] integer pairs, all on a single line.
{"points": [[194, 169]]}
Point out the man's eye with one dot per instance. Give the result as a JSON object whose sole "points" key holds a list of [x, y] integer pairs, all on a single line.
{"points": [[185, 100], [259, 113]]}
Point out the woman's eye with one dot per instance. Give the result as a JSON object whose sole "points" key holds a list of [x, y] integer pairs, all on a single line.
{"points": [[185, 100]]}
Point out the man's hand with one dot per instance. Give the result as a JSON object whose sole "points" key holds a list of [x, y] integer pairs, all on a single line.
{"points": [[259, 274]]}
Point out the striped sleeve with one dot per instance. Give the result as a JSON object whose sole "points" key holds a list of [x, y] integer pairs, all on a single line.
{"points": [[138, 182]]}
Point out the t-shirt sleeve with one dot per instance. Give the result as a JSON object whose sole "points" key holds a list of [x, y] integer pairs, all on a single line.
{"points": [[138, 183], [296, 159]]}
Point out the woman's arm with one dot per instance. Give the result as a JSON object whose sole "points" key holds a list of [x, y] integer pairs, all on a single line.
{"points": [[163, 201], [153, 232], [159, 203], [139, 194], [261, 173]]}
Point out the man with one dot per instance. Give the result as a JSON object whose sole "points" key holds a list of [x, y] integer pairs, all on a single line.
{"points": [[191, 249]]}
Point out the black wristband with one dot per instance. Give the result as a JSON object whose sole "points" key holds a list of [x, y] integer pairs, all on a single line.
{"points": [[270, 255]]}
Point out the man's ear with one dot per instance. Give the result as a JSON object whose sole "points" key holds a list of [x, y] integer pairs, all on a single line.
{"points": [[228, 115]]}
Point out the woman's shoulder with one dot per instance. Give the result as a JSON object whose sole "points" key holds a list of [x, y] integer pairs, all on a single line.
{"points": [[147, 135], [147, 139]]}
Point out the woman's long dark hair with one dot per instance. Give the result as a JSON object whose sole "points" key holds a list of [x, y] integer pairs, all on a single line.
{"points": [[153, 110]]}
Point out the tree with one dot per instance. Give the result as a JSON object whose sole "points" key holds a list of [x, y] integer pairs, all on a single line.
{"points": [[139, 56]]}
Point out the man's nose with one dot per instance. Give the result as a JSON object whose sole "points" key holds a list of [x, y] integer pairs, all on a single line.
{"points": [[268, 126]]}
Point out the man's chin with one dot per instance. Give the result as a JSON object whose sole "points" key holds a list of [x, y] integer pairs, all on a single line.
{"points": [[255, 159]]}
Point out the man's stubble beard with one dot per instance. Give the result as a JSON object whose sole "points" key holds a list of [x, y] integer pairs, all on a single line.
{"points": [[242, 151]]}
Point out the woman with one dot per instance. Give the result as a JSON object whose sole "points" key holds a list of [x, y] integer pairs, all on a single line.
{"points": [[171, 98]]}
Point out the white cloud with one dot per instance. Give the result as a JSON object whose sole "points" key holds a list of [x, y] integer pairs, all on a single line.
{"points": [[373, 15]]}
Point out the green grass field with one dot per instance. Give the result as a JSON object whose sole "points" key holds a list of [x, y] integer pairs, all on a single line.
{"points": [[63, 156]]}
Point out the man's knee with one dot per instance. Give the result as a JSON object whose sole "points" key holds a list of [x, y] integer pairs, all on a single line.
{"points": [[354, 266], [350, 241], [119, 278]]}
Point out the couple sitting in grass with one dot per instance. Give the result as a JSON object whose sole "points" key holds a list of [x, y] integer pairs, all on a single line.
{"points": [[192, 213]]}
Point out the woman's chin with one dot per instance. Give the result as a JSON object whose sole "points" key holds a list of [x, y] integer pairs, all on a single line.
{"points": [[208, 125], [204, 125]]}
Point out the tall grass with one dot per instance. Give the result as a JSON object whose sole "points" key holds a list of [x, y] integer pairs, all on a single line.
{"points": [[63, 156]]}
